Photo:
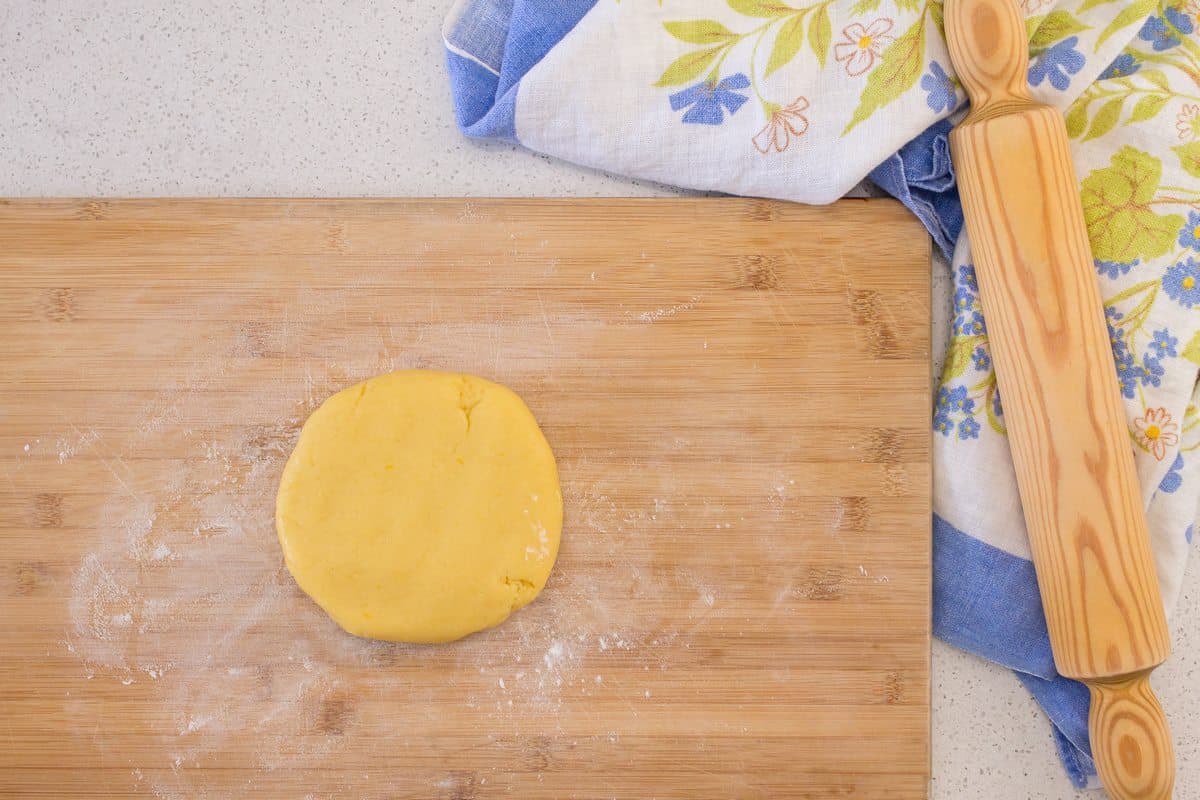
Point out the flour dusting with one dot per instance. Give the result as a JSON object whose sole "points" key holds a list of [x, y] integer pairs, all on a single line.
{"points": [[184, 599], [669, 311], [69, 446]]}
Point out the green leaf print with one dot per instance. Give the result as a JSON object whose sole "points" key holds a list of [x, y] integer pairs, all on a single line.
{"points": [[760, 8], [1158, 78], [864, 7], [1135, 317], [1054, 27], [899, 67], [1032, 24], [1148, 91], [1116, 206], [988, 403], [958, 356], [1189, 157], [787, 43], [820, 33], [1148, 107], [936, 13], [1192, 351], [700, 31], [1077, 118], [1090, 4], [688, 67], [1136, 11], [1106, 118], [782, 27]]}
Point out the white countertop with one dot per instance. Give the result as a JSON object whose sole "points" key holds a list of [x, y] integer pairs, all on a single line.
{"points": [[150, 97]]}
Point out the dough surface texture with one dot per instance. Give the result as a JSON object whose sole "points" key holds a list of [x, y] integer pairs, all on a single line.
{"points": [[420, 506]]}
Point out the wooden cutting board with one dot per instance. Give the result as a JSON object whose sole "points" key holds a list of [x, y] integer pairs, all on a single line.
{"points": [[738, 395]]}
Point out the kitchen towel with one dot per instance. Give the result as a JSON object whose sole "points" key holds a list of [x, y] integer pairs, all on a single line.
{"points": [[803, 99]]}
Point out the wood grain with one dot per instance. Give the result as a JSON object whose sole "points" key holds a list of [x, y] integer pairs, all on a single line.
{"points": [[737, 393], [1062, 406]]}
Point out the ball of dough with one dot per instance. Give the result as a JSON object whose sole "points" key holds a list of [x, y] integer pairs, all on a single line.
{"points": [[420, 506]]}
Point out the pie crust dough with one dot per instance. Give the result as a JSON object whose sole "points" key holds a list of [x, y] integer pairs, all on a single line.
{"points": [[420, 506]]}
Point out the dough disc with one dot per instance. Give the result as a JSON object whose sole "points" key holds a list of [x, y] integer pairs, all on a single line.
{"points": [[420, 507]]}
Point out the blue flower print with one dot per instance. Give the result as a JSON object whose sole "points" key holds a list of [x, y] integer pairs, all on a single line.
{"points": [[959, 400], [1127, 377], [1190, 235], [954, 413], [939, 88], [1182, 283], [1122, 66], [1181, 21], [708, 99], [955, 410], [1164, 344], [1173, 479], [1058, 63], [968, 319], [1151, 372], [1188, 533], [1114, 336], [942, 401], [981, 359], [975, 326], [1162, 32], [1120, 350], [1115, 269], [952, 399], [997, 407], [1158, 34], [966, 276], [943, 424], [1128, 372]]}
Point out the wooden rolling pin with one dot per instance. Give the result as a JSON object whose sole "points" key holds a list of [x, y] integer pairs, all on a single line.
{"points": [[1062, 407]]}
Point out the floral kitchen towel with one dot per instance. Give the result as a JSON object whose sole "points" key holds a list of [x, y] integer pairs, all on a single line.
{"points": [[800, 100]]}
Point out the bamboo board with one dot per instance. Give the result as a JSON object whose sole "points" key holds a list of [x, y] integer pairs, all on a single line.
{"points": [[737, 392]]}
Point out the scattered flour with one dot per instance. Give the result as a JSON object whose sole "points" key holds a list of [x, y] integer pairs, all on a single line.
{"points": [[69, 446], [185, 600], [542, 551], [669, 311]]}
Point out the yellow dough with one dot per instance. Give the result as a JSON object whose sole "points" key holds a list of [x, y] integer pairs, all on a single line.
{"points": [[420, 507]]}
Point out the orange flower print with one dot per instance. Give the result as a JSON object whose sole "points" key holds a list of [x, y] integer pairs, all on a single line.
{"points": [[1188, 121], [1156, 431], [862, 45], [1030, 6], [786, 123], [1192, 9]]}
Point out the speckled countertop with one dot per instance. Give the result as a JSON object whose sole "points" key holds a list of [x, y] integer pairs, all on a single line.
{"points": [[149, 97]]}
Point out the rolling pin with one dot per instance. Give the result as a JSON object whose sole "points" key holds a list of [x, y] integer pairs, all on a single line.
{"points": [[1062, 407]]}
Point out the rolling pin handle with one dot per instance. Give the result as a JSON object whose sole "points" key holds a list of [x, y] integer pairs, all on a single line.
{"points": [[989, 50], [1130, 740]]}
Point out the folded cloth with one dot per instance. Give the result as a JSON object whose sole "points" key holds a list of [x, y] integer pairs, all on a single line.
{"points": [[922, 177], [802, 99]]}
